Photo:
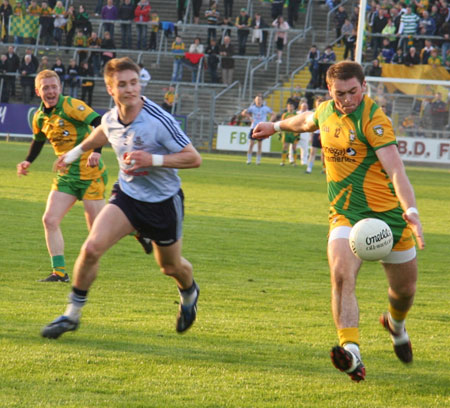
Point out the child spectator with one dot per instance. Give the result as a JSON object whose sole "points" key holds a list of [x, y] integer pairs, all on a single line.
{"points": [[80, 41], [169, 99], [59, 22], [387, 52], [108, 44], [178, 56], [87, 85], [154, 24]]}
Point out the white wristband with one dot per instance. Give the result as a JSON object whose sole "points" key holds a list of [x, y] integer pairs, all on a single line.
{"points": [[276, 126], [73, 154], [412, 210], [157, 160]]}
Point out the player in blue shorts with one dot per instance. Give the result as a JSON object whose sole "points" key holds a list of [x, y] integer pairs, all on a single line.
{"points": [[150, 147]]}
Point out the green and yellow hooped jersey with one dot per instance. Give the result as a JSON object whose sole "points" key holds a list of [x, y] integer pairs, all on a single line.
{"points": [[287, 115], [66, 126], [356, 180]]}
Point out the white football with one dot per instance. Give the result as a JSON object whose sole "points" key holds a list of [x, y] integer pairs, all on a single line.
{"points": [[371, 239]]}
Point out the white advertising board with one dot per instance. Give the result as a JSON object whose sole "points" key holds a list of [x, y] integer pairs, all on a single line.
{"points": [[236, 138], [424, 150]]}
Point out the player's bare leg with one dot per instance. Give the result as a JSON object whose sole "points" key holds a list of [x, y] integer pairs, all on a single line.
{"points": [[174, 265], [91, 209], [402, 280], [58, 204], [250, 151], [259, 152], [109, 227], [344, 267]]}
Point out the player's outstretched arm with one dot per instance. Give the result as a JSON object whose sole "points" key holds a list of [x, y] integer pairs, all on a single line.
{"points": [[392, 163], [96, 139], [188, 158], [304, 122]]}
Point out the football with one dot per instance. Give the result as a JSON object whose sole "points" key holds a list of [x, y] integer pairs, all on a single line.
{"points": [[371, 239]]}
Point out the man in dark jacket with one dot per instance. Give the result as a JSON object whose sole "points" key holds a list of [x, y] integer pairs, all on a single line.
{"points": [[27, 70], [12, 66], [126, 13]]}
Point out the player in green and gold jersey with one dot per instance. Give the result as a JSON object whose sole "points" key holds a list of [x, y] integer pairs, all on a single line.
{"points": [[289, 138], [65, 122], [366, 178]]}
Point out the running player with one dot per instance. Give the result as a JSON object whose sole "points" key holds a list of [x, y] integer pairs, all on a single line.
{"points": [[366, 178], [150, 146], [65, 122], [289, 138], [257, 112]]}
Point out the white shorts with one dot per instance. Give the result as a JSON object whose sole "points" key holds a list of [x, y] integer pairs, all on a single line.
{"points": [[395, 257]]}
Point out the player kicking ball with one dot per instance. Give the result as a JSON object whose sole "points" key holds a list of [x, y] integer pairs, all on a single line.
{"points": [[366, 179], [150, 147]]}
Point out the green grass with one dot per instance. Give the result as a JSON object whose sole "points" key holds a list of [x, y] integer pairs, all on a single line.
{"points": [[257, 238]]}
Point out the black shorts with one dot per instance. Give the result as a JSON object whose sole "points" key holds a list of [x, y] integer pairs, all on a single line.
{"points": [[280, 44], [316, 141], [250, 136], [161, 222]]}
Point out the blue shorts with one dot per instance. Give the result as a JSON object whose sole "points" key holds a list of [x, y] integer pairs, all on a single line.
{"points": [[162, 222], [250, 136]]}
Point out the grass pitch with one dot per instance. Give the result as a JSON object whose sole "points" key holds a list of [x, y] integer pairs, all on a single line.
{"points": [[257, 238]]}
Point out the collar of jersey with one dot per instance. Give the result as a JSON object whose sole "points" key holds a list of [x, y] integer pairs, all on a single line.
{"points": [[58, 104]]}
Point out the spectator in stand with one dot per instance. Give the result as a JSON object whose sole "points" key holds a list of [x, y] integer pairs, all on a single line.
{"points": [[144, 77], [73, 78], [34, 60], [154, 24], [434, 59], [228, 8], [355, 17], [95, 57], [126, 13], [412, 58], [277, 8], [12, 67], [226, 27], [446, 62], [60, 69], [4, 98], [212, 19], [399, 57], [5, 12], [196, 6], [169, 100], [109, 12], [70, 25], [19, 11], [445, 33], [60, 21], [181, 10], [227, 61], [326, 60], [374, 69], [409, 23], [107, 44], [194, 56], [350, 45], [80, 41], [387, 52], [425, 52], [27, 70], [292, 11], [44, 64], [243, 23], [378, 23], [197, 47], [142, 17], [428, 23], [346, 31], [46, 22], [213, 51], [313, 60], [390, 30], [82, 21], [178, 48], [395, 17], [259, 34], [339, 19], [281, 35], [87, 85], [439, 113], [33, 9]]}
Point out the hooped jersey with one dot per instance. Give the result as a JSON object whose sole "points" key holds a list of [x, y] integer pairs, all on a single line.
{"points": [[66, 126], [287, 115], [357, 182]]}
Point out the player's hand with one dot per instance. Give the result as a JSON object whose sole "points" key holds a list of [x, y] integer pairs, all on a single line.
{"points": [[93, 159], [137, 159], [263, 130], [22, 168], [60, 164], [414, 222]]}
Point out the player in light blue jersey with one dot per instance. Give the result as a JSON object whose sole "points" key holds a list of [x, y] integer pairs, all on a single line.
{"points": [[150, 147], [257, 112]]}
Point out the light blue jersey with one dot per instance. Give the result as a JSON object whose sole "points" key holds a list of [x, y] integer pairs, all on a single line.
{"points": [[153, 131], [259, 114]]}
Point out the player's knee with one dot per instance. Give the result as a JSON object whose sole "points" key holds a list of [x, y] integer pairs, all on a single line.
{"points": [[49, 221], [169, 269], [405, 291], [91, 250]]}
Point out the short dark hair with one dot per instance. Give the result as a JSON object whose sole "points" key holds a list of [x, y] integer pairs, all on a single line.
{"points": [[345, 70], [119, 65]]}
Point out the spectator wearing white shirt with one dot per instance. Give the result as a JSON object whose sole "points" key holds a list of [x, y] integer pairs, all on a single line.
{"points": [[144, 76]]}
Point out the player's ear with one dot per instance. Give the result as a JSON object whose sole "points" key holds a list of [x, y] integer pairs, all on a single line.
{"points": [[364, 86], [37, 92], [109, 90]]}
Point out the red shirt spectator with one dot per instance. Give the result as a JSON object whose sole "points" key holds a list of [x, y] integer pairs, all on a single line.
{"points": [[142, 12]]}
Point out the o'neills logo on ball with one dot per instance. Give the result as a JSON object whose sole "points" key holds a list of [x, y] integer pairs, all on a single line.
{"points": [[383, 234]]}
